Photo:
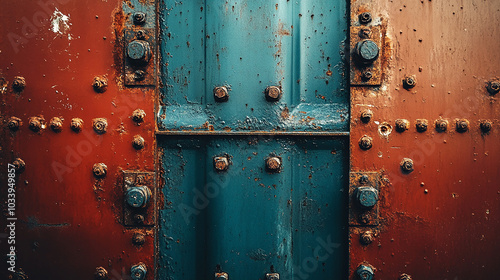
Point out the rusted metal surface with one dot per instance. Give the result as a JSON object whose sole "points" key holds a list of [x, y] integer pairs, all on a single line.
{"points": [[441, 220], [69, 222]]}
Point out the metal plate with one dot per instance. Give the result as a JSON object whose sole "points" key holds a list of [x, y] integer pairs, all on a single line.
{"points": [[148, 212], [358, 216], [376, 68]]}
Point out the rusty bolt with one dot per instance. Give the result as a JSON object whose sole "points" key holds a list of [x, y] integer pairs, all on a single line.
{"points": [[14, 123], [76, 124], [139, 75], [18, 84], [462, 126], [140, 34], [139, 18], [139, 239], [364, 272], [100, 84], [366, 116], [221, 276], [364, 218], [402, 125], [139, 219], [366, 75], [493, 87], [421, 125], [221, 163], [365, 33], [366, 238], [138, 142], [100, 170], [272, 276], [366, 197], [56, 124], [406, 165], [366, 52], [485, 126], [404, 276], [365, 18], [441, 125], [100, 273], [138, 116], [36, 124], [365, 142], [363, 180], [100, 125], [273, 164], [409, 82], [139, 51], [19, 165], [221, 94], [273, 93], [138, 271]]}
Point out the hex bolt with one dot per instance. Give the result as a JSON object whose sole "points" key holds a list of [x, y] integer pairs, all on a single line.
{"points": [[365, 18], [139, 219], [56, 124], [221, 276], [272, 276], [366, 75], [404, 276], [441, 125], [221, 164], [406, 165], [139, 239], [138, 116], [100, 273], [139, 75], [366, 238], [138, 271], [221, 94], [100, 84], [36, 124], [19, 165], [409, 82], [402, 125], [486, 126], [421, 125], [99, 170], [100, 125], [76, 124], [493, 87], [138, 142], [273, 93], [365, 143], [462, 126], [273, 164], [366, 52], [14, 123], [364, 272], [139, 51], [139, 18], [366, 197], [366, 115], [18, 84], [138, 197]]}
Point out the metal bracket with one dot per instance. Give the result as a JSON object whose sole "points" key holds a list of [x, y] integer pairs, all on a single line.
{"points": [[366, 74], [139, 216], [359, 216]]}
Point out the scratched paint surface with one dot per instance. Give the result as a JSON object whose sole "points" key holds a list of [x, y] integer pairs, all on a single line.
{"points": [[246, 219], [248, 46]]}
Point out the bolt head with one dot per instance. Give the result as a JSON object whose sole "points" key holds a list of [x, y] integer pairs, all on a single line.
{"points": [[100, 84], [273, 164], [486, 126], [367, 197], [364, 272], [421, 125], [100, 125], [409, 82], [365, 18], [19, 165], [18, 84], [493, 87], [139, 75], [221, 94], [366, 51], [99, 170], [36, 124], [100, 273], [272, 276], [366, 238], [139, 239], [365, 142], [402, 125], [76, 124], [138, 142], [138, 116], [366, 116], [273, 93], [462, 126], [404, 276], [407, 165], [138, 197], [139, 18], [441, 125], [14, 123], [221, 163], [138, 271], [56, 124], [139, 51]]}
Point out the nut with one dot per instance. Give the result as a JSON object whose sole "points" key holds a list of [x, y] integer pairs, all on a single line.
{"points": [[486, 126], [18, 84], [366, 197], [19, 165], [364, 272], [404, 276], [462, 126], [56, 124], [406, 165], [100, 84], [100, 273], [139, 51], [138, 271], [100, 125], [421, 125], [365, 142], [366, 238], [273, 164], [273, 93], [366, 75], [36, 124], [409, 82], [402, 125], [221, 163], [14, 123], [221, 94], [76, 124], [366, 116], [365, 18], [138, 116], [100, 170], [493, 87], [139, 239], [441, 125], [138, 142], [139, 18]]}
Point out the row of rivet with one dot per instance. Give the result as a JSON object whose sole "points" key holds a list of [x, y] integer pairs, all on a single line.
{"points": [[492, 86], [272, 93]]}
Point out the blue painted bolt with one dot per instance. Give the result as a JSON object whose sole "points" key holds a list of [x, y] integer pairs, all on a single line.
{"points": [[139, 50], [364, 272], [367, 197], [138, 271], [366, 51], [138, 196]]}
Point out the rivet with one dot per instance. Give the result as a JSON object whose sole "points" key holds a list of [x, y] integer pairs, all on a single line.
{"points": [[19, 165], [221, 94], [406, 165], [14, 123], [221, 276], [273, 93], [366, 238], [409, 82], [365, 142], [221, 163], [100, 170], [76, 124], [100, 273], [18, 84], [441, 125], [139, 18], [100, 84], [272, 276], [366, 115], [56, 124], [404, 276], [366, 75], [364, 272], [139, 75], [421, 125], [139, 239], [365, 18], [273, 164], [100, 125], [138, 271], [486, 126], [36, 124], [139, 219], [138, 116], [462, 126], [493, 87], [402, 125], [138, 142]]}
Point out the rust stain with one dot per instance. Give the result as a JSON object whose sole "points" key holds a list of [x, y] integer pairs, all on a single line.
{"points": [[118, 24]]}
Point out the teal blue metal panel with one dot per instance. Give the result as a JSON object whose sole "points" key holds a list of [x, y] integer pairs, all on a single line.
{"points": [[247, 46], [246, 219]]}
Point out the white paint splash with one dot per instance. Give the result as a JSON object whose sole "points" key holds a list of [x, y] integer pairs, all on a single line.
{"points": [[59, 24]]}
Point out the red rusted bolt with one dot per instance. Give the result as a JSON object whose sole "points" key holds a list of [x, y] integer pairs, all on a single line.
{"points": [[14, 123], [100, 273], [139, 219], [273, 93], [366, 116], [19, 165], [404, 276], [462, 126], [402, 125], [409, 82], [366, 238], [366, 75], [273, 164], [421, 125], [36, 124], [76, 124], [365, 142], [100, 125], [139, 75], [441, 125], [486, 126], [493, 87], [18, 84], [139, 239], [221, 94], [138, 116], [56, 124], [100, 170], [100, 84], [365, 18], [221, 163], [138, 142], [407, 165]]}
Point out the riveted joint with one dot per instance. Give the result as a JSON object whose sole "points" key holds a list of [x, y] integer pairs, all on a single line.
{"points": [[221, 163], [366, 116], [486, 126], [462, 126], [441, 125], [365, 143], [99, 170], [138, 196], [402, 125], [76, 124], [366, 52], [273, 164], [100, 84], [493, 87], [221, 94], [406, 165], [56, 124], [100, 125], [138, 116], [36, 124], [421, 125], [221, 276], [366, 237], [138, 142], [14, 123], [138, 239], [18, 84], [409, 82]]}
